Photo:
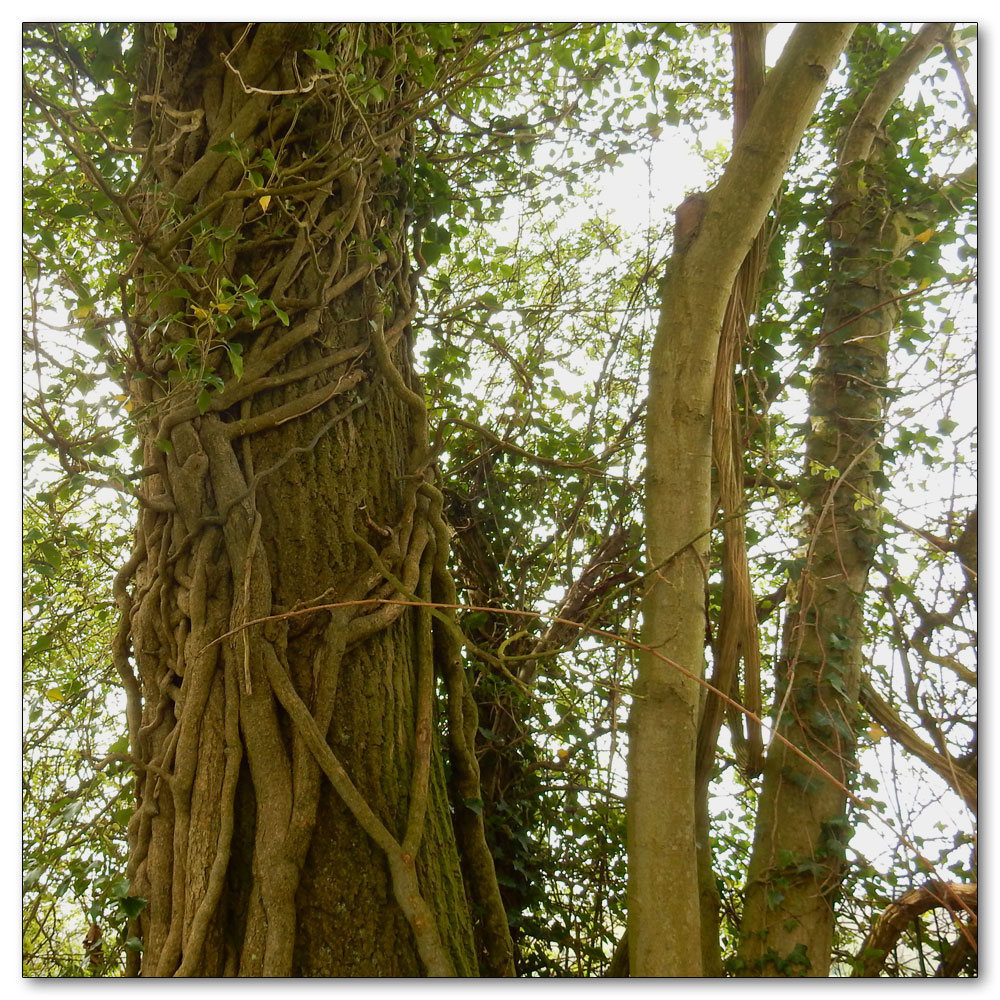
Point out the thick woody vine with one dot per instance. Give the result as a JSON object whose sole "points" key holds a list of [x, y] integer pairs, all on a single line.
{"points": [[281, 210]]}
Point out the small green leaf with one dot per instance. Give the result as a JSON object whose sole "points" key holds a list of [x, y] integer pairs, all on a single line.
{"points": [[838, 685], [649, 67], [228, 146], [119, 888], [236, 357], [322, 59], [31, 877], [72, 211], [71, 811], [280, 313], [204, 401], [132, 906], [564, 57], [51, 554]]}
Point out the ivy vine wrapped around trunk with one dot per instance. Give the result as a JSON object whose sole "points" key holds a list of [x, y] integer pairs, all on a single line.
{"points": [[293, 814], [802, 826]]}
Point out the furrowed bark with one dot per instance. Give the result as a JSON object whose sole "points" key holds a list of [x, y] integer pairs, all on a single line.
{"points": [[293, 811]]}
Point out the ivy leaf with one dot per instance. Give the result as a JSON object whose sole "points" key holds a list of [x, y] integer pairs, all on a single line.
{"points": [[72, 211], [235, 352], [132, 906], [650, 67], [229, 147], [280, 313], [322, 59]]}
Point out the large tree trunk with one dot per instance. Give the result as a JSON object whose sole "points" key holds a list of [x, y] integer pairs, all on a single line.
{"points": [[802, 827], [713, 234], [293, 812]]}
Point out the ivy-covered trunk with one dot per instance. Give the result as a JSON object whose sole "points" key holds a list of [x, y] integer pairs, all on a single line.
{"points": [[293, 812], [802, 828]]}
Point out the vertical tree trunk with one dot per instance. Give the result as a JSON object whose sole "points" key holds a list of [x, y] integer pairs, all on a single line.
{"points": [[712, 237], [802, 829], [293, 812]]}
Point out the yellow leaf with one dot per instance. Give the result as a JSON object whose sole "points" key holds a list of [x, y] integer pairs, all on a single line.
{"points": [[876, 732], [199, 312], [55, 695], [924, 236], [264, 200], [83, 312], [222, 307], [924, 283]]}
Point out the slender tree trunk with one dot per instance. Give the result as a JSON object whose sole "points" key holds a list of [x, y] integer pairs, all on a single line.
{"points": [[802, 828], [293, 813], [712, 237]]}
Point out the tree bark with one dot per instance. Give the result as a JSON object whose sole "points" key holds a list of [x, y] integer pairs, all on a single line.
{"points": [[294, 814], [802, 828], [713, 234]]}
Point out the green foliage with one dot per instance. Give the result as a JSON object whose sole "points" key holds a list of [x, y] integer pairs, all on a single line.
{"points": [[76, 796]]}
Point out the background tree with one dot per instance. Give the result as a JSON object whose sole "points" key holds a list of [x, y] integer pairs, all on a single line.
{"points": [[712, 236], [798, 850]]}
